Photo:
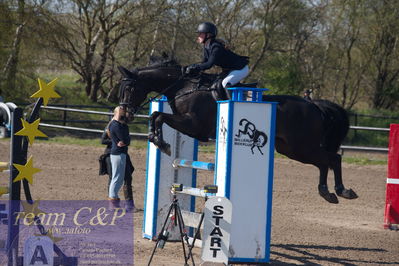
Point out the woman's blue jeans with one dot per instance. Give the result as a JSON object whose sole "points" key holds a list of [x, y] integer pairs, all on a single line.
{"points": [[118, 163]]}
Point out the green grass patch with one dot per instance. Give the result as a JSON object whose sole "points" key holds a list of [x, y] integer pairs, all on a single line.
{"points": [[364, 161], [207, 148]]}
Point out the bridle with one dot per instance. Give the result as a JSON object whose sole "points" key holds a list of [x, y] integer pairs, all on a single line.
{"points": [[136, 109]]}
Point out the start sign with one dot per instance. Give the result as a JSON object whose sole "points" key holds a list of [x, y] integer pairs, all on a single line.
{"points": [[216, 235]]}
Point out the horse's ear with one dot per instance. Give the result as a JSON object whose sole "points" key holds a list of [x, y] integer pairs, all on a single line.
{"points": [[152, 60], [125, 72], [165, 55]]}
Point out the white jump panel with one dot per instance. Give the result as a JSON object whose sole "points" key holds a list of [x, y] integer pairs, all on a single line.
{"points": [[244, 174]]}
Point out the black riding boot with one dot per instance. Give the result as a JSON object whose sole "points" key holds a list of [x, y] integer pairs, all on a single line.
{"points": [[221, 93], [228, 92], [128, 193]]}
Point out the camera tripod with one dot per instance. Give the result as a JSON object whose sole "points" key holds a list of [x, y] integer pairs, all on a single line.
{"points": [[178, 220]]}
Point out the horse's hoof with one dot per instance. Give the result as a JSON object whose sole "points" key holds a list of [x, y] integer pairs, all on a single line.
{"points": [[151, 137], [330, 197], [347, 194], [325, 194], [165, 148]]}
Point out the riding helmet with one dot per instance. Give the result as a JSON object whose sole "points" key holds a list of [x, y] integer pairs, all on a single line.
{"points": [[207, 27]]}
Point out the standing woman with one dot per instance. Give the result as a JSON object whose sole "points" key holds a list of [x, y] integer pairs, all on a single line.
{"points": [[127, 186], [234, 66], [119, 132]]}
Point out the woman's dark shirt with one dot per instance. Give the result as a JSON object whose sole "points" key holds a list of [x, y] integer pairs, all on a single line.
{"points": [[119, 132]]}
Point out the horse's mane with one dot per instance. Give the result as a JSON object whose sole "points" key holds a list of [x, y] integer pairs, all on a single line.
{"points": [[164, 62], [156, 62]]}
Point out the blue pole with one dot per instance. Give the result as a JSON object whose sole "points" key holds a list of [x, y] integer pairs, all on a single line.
{"points": [[194, 164]]}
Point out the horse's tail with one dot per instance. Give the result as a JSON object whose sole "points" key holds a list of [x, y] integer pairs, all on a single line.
{"points": [[335, 122]]}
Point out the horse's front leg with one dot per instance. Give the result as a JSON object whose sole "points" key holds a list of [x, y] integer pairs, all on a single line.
{"points": [[151, 127], [155, 134], [187, 123], [339, 186]]}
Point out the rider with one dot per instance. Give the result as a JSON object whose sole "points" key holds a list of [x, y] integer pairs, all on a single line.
{"points": [[235, 67], [306, 95]]}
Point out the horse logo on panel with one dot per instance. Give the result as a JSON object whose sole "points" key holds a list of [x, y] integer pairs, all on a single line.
{"points": [[257, 138], [222, 132]]}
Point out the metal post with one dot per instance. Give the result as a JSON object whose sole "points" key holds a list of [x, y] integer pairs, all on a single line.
{"points": [[16, 156], [64, 116]]}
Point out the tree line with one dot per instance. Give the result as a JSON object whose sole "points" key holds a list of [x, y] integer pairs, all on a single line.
{"points": [[342, 50]]}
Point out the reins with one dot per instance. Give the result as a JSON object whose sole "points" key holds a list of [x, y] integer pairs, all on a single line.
{"points": [[157, 95], [176, 97]]}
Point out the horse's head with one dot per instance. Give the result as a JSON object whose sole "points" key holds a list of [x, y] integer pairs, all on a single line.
{"points": [[136, 84], [130, 95]]}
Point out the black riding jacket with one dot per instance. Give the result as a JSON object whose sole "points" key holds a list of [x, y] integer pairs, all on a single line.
{"points": [[216, 54]]}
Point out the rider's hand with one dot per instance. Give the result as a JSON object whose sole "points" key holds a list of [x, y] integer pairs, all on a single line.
{"points": [[192, 69]]}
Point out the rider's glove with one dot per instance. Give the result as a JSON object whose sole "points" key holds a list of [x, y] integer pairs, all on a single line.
{"points": [[192, 69]]}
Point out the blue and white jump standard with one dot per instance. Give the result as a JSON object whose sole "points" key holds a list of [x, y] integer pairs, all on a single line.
{"points": [[243, 165], [244, 172]]}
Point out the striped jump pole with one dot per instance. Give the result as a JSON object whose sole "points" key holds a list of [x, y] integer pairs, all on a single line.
{"points": [[196, 192], [391, 217], [193, 164], [5, 127], [4, 166]]}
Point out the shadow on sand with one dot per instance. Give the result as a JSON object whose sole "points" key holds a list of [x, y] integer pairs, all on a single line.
{"points": [[310, 255]]}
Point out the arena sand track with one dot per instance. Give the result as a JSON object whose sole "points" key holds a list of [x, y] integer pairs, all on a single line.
{"points": [[306, 230]]}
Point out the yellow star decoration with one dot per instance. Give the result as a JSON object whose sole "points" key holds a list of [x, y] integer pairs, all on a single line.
{"points": [[30, 130], [46, 91], [31, 209], [26, 171], [51, 235]]}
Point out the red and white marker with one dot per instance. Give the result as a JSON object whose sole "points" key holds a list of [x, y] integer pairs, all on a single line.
{"points": [[391, 217]]}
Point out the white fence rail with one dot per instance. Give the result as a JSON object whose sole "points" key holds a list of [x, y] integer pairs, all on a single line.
{"points": [[84, 111]]}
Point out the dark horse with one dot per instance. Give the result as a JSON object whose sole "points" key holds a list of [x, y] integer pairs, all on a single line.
{"points": [[307, 131]]}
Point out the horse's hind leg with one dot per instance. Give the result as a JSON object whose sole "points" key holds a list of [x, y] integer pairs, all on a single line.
{"points": [[339, 186], [317, 157], [323, 188], [323, 160]]}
